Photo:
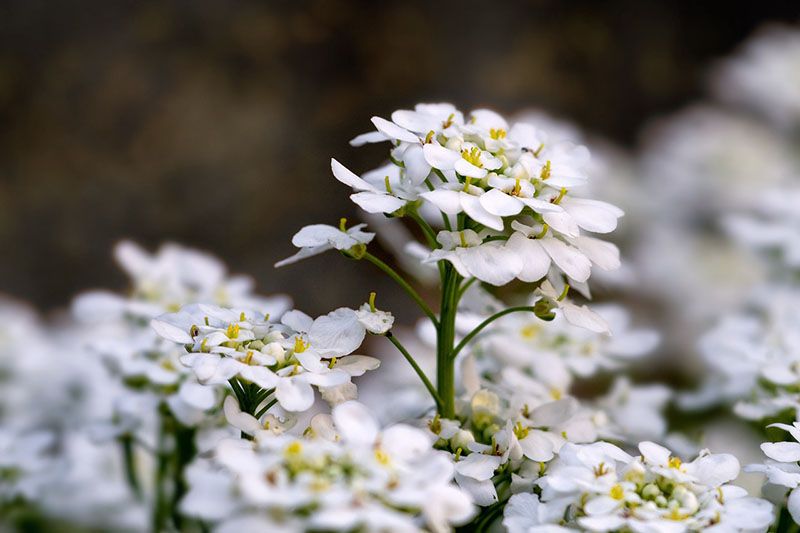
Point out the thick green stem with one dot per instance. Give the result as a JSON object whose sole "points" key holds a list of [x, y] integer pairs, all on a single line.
{"points": [[417, 369], [161, 500], [446, 332], [404, 284], [485, 323]]}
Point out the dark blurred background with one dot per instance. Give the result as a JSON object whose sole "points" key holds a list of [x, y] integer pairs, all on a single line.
{"points": [[212, 122]]}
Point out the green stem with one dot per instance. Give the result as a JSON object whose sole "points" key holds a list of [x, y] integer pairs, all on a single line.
{"points": [[485, 323], [445, 364], [417, 369], [129, 457], [404, 284], [185, 452], [464, 286], [160, 500], [426, 228], [264, 409]]}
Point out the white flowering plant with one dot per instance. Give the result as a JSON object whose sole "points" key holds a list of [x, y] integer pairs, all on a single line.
{"points": [[194, 404]]}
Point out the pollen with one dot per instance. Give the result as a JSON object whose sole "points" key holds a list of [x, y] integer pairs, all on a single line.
{"points": [[521, 431], [496, 134], [300, 345], [617, 492], [294, 448], [233, 331], [194, 331], [675, 462], [332, 363], [249, 357], [529, 331], [382, 457]]}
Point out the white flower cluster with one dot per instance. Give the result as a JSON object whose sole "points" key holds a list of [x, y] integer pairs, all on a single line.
{"points": [[343, 474], [599, 487], [503, 192]]}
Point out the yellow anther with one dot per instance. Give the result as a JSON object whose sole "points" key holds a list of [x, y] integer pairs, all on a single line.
{"points": [[675, 462], [387, 184], [266, 317], [429, 136], [249, 357], [294, 448], [242, 317], [203, 347], [529, 331], [343, 224], [205, 319], [617, 492], [463, 239], [539, 150], [332, 362], [545, 171], [194, 331], [600, 470], [499, 133], [517, 188], [458, 453], [372, 301], [382, 457], [521, 431], [555, 393], [233, 331], [300, 345]]}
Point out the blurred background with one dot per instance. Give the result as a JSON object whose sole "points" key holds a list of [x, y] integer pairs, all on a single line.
{"points": [[212, 123]]}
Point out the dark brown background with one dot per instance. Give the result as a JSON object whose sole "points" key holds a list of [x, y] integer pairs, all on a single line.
{"points": [[212, 123]]}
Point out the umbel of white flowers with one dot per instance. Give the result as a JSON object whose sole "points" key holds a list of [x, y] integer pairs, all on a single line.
{"points": [[494, 203]]}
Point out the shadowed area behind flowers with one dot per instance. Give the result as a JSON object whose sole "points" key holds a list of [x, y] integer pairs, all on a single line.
{"points": [[212, 123]]}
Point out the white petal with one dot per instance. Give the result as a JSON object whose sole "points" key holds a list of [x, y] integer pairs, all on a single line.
{"points": [[337, 333], [377, 202], [239, 419], [654, 454], [440, 157], [368, 138], [465, 168], [355, 423], [318, 235], [304, 253], [785, 452], [294, 394], [574, 264], [349, 178], [562, 222], [585, 318], [414, 121], [603, 254], [478, 466], [297, 320], [394, 131], [537, 447], [197, 396], [472, 206], [535, 261], [492, 263], [793, 504], [592, 215], [170, 331], [417, 168], [716, 469], [447, 201], [501, 204]]}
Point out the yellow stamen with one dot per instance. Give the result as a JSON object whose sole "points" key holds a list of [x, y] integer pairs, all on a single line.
{"points": [[543, 232], [449, 122], [382, 457], [388, 185], [467, 183], [499, 133], [249, 357], [617, 492], [675, 462], [529, 331], [545, 171], [294, 448], [242, 317], [563, 293], [539, 150], [194, 331], [233, 331], [463, 240], [561, 195], [342, 224], [429, 136], [473, 156], [517, 188], [372, 301], [205, 319], [332, 362]]}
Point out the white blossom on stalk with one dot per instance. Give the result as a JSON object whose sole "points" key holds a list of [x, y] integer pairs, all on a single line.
{"points": [[353, 474], [599, 487], [290, 357], [319, 238]]}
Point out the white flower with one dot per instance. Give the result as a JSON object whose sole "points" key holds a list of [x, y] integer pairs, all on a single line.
{"points": [[580, 316], [370, 198], [349, 470], [781, 466], [289, 358], [319, 238], [598, 487], [492, 262]]}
